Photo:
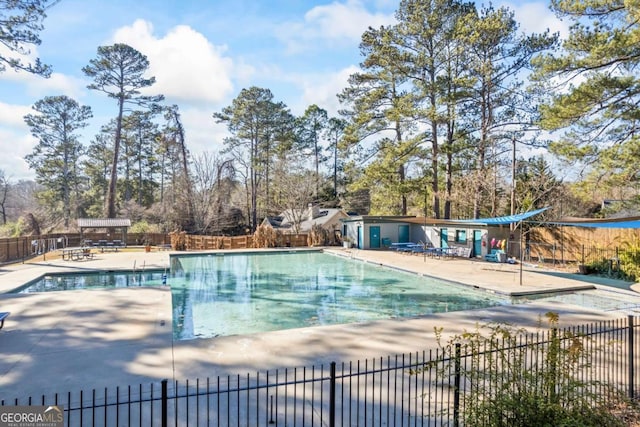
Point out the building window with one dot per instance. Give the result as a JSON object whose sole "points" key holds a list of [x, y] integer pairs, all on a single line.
{"points": [[461, 236]]}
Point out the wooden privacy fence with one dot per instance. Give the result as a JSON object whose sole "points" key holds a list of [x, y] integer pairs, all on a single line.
{"points": [[194, 242], [20, 248]]}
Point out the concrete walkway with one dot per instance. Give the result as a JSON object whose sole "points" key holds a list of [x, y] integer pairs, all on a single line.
{"points": [[86, 339]]}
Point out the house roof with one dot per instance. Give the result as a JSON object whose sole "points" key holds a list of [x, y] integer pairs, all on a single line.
{"points": [[103, 222], [287, 218], [381, 218]]}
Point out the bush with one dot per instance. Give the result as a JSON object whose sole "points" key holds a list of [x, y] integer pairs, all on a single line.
{"points": [[13, 229], [515, 381]]}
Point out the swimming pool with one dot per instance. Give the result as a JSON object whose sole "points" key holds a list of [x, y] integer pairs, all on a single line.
{"points": [[240, 293]]}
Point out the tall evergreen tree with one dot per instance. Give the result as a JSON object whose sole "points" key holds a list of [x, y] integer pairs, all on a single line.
{"points": [[596, 89], [97, 167], [139, 160], [425, 34], [55, 158], [498, 55], [381, 111], [310, 129], [335, 132], [119, 72]]}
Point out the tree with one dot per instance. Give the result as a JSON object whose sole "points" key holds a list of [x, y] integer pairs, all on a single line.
{"points": [[536, 185], [97, 168], [20, 25], [173, 133], [260, 128], [213, 183], [426, 36], [596, 89], [119, 72], [334, 133], [310, 129], [139, 141], [498, 55], [295, 191], [55, 158], [381, 113]]}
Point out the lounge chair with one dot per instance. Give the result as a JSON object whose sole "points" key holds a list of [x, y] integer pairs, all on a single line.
{"points": [[496, 255], [3, 316]]}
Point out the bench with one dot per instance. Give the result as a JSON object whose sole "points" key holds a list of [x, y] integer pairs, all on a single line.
{"points": [[87, 254], [3, 316]]}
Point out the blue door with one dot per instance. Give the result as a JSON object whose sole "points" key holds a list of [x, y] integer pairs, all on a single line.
{"points": [[443, 238], [360, 238], [374, 237], [477, 243], [403, 234]]}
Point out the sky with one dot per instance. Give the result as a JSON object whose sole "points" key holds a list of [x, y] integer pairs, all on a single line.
{"points": [[202, 54]]}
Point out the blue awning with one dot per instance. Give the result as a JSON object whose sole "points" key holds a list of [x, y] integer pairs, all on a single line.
{"points": [[501, 220]]}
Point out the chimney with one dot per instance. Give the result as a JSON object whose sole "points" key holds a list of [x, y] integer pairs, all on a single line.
{"points": [[314, 211]]}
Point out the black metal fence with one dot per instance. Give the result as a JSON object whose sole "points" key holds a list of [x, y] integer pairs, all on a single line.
{"points": [[442, 387]]}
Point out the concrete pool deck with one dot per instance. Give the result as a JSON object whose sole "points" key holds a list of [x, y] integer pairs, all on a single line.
{"points": [[86, 339]]}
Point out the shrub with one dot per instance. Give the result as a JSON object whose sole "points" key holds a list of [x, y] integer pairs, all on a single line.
{"points": [[515, 381]]}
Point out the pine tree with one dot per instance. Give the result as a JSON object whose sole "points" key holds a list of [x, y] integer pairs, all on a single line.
{"points": [[119, 72], [596, 89], [55, 158]]}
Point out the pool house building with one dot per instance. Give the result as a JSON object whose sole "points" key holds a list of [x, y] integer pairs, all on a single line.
{"points": [[381, 232]]}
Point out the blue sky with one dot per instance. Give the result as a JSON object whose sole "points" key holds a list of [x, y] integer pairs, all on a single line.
{"points": [[202, 54]]}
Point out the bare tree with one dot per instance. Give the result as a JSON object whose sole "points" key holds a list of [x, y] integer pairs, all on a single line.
{"points": [[211, 176]]}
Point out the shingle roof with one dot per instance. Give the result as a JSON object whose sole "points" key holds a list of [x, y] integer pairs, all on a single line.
{"points": [[103, 222]]}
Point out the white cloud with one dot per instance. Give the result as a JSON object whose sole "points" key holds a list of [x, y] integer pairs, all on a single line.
{"points": [[334, 23], [15, 141], [187, 67], [536, 17], [323, 90], [12, 116], [202, 132]]}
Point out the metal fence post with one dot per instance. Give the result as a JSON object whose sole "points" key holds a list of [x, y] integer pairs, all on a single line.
{"points": [[332, 395], [631, 359], [164, 403], [456, 387]]}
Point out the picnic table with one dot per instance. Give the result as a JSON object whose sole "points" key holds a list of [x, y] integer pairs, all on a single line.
{"points": [[76, 253], [109, 246]]}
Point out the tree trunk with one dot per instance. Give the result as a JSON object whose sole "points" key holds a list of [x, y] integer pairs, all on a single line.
{"points": [[110, 210]]}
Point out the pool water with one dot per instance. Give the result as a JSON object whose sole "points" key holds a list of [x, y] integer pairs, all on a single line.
{"points": [[219, 295], [96, 280]]}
